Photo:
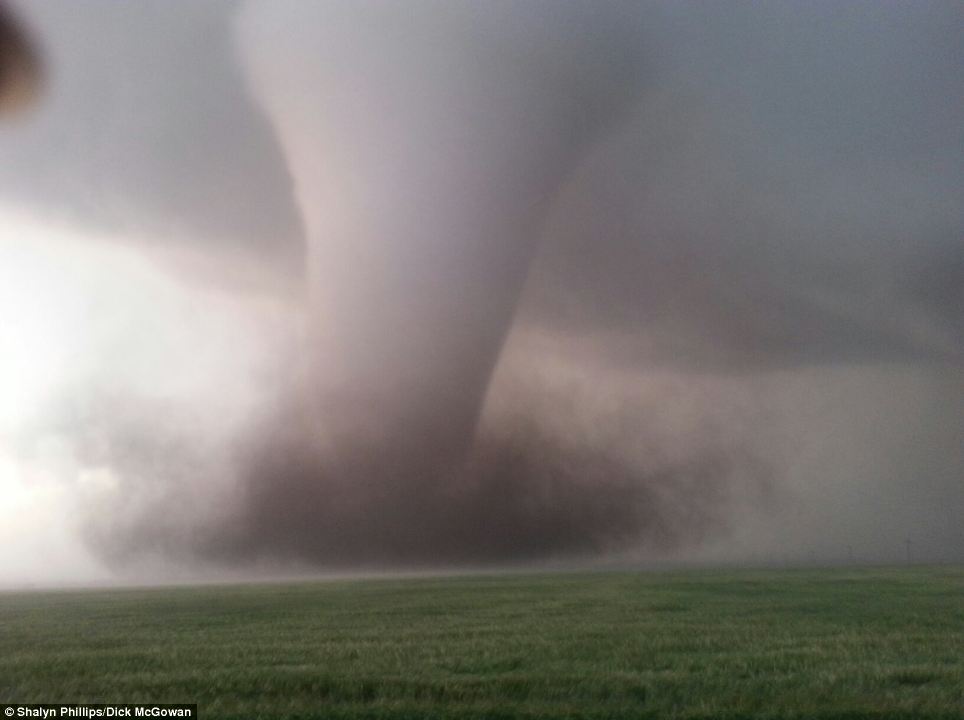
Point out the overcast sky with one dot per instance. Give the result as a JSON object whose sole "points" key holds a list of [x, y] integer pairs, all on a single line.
{"points": [[297, 287]]}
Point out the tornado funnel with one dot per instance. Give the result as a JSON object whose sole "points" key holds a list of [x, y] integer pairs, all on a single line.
{"points": [[433, 138]]}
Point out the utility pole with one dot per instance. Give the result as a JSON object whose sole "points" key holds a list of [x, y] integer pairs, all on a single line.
{"points": [[907, 546]]}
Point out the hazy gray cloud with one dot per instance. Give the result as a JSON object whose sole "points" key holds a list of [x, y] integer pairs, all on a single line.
{"points": [[144, 129], [788, 192]]}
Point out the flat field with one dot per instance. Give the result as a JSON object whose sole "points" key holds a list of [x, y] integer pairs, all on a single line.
{"points": [[854, 643]]}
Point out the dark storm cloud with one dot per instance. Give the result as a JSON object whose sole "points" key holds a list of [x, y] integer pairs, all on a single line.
{"points": [[660, 197], [788, 192]]}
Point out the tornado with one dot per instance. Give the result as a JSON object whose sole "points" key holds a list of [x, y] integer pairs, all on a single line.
{"points": [[389, 285], [426, 141]]}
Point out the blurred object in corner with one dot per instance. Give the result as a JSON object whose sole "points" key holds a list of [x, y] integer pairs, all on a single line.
{"points": [[19, 65]]}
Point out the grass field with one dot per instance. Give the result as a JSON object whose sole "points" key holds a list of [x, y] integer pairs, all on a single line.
{"points": [[875, 643]]}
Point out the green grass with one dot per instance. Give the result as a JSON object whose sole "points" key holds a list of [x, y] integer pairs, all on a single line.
{"points": [[874, 643]]}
